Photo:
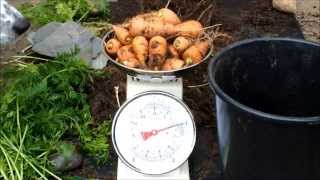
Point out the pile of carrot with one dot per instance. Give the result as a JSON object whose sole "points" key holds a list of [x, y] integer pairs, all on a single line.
{"points": [[158, 41]]}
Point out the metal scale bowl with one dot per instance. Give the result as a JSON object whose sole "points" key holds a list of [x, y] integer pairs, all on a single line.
{"points": [[150, 73], [142, 87]]}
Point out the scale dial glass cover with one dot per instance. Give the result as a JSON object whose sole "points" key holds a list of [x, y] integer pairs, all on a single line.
{"points": [[154, 133]]}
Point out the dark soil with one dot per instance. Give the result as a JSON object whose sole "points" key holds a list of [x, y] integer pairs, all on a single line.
{"points": [[102, 95], [240, 19]]}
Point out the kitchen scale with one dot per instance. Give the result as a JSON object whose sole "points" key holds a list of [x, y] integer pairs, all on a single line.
{"points": [[153, 132]]}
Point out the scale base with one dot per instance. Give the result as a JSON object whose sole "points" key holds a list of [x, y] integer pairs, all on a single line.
{"points": [[134, 87], [125, 173]]}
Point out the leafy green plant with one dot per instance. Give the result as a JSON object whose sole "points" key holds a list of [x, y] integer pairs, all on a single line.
{"points": [[14, 160], [41, 105], [95, 142], [64, 10]]}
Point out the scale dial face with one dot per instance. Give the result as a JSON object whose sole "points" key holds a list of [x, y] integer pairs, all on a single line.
{"points": [[154, 133]]}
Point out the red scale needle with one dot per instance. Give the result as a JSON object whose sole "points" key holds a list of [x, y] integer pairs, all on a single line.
{"points": [[147, 134]]}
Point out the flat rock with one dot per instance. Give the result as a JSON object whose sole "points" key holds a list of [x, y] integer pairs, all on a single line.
{"points": [[42, 33], [57, 38]]}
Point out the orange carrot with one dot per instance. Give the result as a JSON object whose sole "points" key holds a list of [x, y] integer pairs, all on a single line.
{"points": [[192, 55], [155, 26], [112, 46], [154, 23], [173, 52], [169, 16], [168, 30], [132, 63], [150, 27], [137, 26], [172, 64], [125, 25], [189, 28], [196, 53], [122, 35], [182, 43], [125, 53], [140, 47], [157, 52], [203, 47]]}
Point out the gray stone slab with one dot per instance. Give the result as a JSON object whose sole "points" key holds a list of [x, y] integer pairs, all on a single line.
{"points": [[57, 38]]}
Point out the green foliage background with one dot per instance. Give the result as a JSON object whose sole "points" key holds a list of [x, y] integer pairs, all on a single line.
{"points": [[46, 103], [65, 10]]}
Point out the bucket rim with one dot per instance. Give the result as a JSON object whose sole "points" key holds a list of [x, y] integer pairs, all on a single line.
{"points": [[267, 116]]}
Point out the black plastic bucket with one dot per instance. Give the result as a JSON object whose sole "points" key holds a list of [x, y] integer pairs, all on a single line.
{"points": [[268, 109]]}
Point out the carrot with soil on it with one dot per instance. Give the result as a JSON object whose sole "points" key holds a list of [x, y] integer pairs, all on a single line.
{"points": [[196, 53], [136, 26], [190, 28], [203, 47], [192, 55], [172, 64], [182, 43], [112, 46], [132, 63], [173, 53], [150, 27], [157, 52], [155, 26], [127, 57], [163, 23], [140, 48], [132, 48], [125, 53], [165, 14], [122, 35], [169, 16]]}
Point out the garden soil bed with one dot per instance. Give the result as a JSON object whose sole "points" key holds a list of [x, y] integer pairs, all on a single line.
{"points": [[240, 19]]}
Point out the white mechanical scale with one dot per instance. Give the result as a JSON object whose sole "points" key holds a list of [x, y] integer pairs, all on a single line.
{"points": [[153, 132]]}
